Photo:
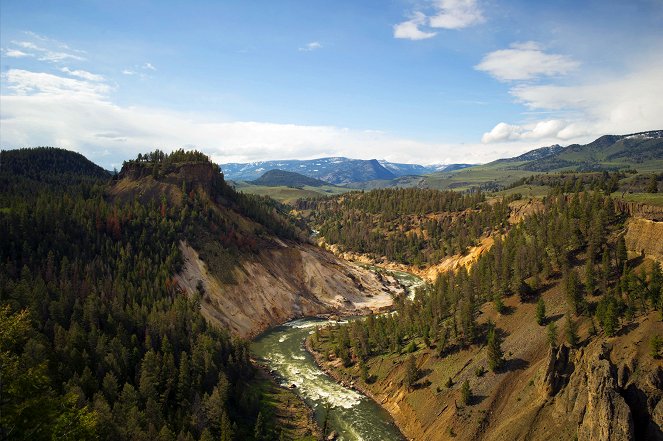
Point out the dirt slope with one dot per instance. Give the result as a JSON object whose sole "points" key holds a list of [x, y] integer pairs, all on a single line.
{"points": [[280, 283]]}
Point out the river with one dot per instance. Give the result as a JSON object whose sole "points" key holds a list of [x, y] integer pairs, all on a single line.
{"points": [[352, 415]]}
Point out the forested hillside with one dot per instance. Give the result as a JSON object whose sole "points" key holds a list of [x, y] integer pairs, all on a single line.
{"points": [[98, 341], [569, 257], [410, 226]]}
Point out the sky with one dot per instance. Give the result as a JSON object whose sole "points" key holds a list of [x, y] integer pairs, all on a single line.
{"points": [[414, 81]]}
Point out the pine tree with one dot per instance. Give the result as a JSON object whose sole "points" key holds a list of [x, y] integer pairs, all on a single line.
{"points": [[652, 184], [495, 355], [466, 393], [411, 372], [610, 321], [540, 311], [571, 331], [259, 432], [622, 255]]}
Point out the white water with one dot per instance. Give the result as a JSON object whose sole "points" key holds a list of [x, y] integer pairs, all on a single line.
{"points": [[352, 415]]}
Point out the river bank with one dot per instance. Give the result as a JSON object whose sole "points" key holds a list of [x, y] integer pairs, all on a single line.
{"points": [[291, 414], [351, 382]]}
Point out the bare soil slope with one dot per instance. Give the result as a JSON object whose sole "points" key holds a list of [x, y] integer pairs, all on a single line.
{"points": [[281, 283]]}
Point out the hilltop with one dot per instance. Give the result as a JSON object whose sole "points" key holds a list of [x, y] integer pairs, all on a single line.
{"points": [[276, 178], [247, 242]]}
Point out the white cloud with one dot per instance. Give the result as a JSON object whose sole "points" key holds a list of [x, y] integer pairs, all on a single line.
{"points": [[15, 53], [56, 57], [624, 104], [83, 74], [24, 82], [149, 66], [456, 14], [89, 122], [128, 72], [52, 52], [410, 29], [28, 45], [446, 14], [525, 61], [312, 46]]}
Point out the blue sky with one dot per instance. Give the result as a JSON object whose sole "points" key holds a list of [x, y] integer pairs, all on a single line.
{"points": [[436, 81]]}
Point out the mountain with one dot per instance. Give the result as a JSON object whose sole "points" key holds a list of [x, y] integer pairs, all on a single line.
{"points": [[278, 178], [606, 152], [49, 164], [418, 170], [537, 154], [639, 151], [335, 170]]}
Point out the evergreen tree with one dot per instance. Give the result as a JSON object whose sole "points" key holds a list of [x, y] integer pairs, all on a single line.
{"points": [[411, 372], [260, 432], [540, 311], [571, 331], [495, 355], [573, 292], [652, 184], [622, 255], [466, 393]]}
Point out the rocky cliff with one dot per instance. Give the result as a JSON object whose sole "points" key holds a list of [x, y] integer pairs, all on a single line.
{"points": [[644, 236]]}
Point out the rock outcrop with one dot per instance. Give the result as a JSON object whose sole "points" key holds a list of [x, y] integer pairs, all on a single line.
{"points": [[640, 210], [557, 373], [606, 415], [645, 236]]}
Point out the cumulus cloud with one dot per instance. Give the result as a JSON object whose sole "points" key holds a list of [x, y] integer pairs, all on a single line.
{"points": [[446, 14], [623, 104], [149, 66], [410, 29], [456, 14], [312, 46], [547, 129], [525, 61]]}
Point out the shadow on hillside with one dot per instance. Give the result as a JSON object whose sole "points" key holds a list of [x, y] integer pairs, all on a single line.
{"points": [[421, 384], [552, 318], [477, 399], [515, 364], [627, 329], [508, 310]]}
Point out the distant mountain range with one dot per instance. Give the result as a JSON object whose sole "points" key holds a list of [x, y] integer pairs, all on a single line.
{"points": [[605, 153], [278, 178], [335, 170]]}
